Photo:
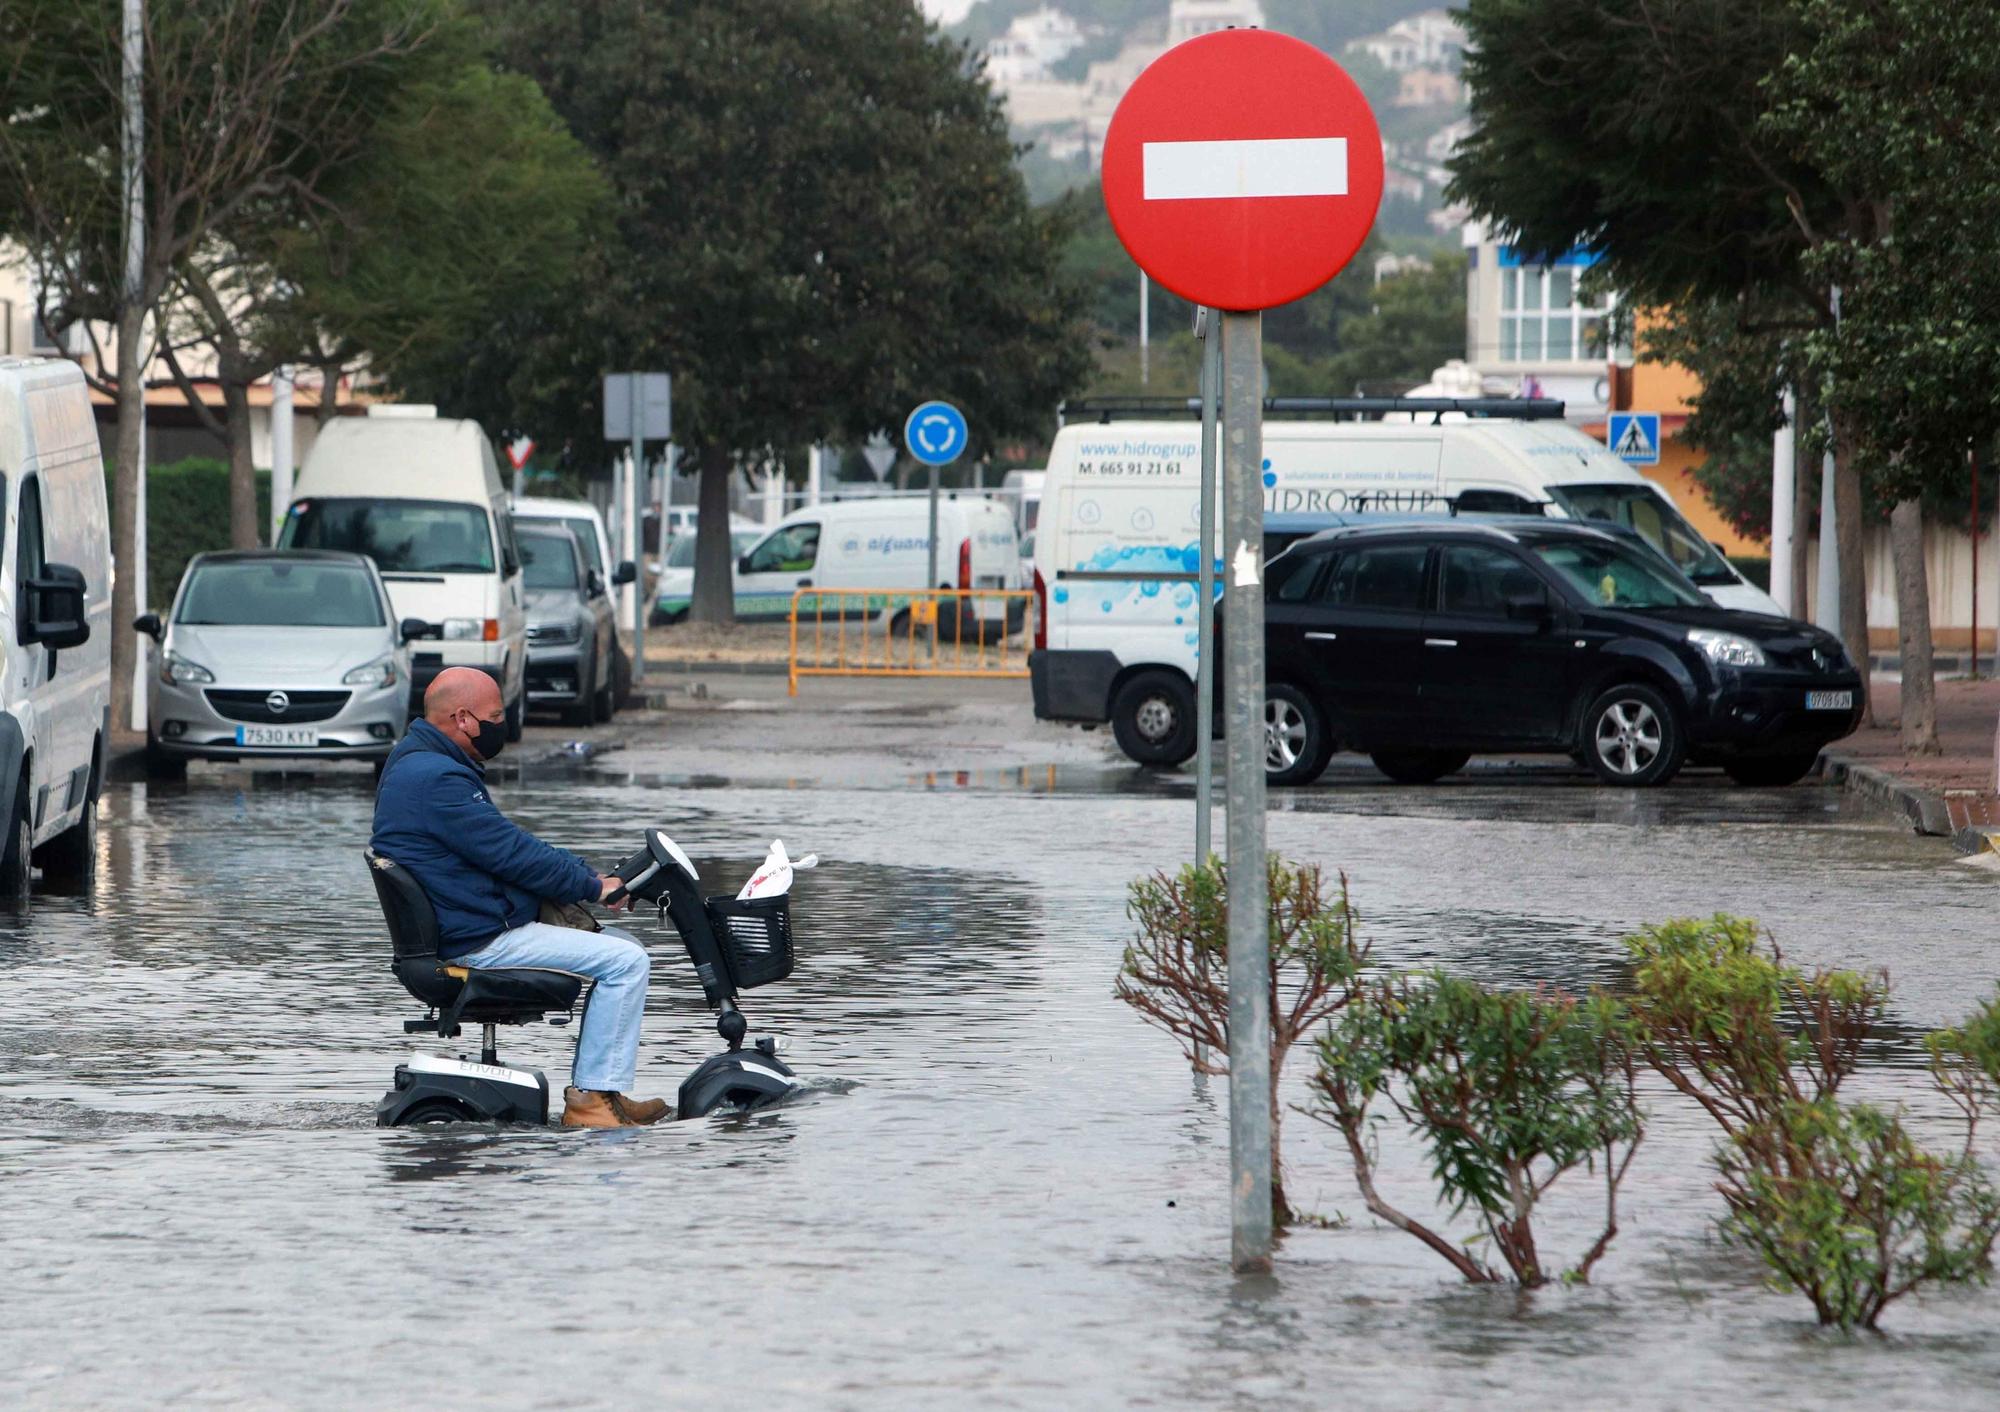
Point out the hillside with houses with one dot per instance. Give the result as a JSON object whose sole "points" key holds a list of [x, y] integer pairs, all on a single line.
{"points": [[1063, 65]]}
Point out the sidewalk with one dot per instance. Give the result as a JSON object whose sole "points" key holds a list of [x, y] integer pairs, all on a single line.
{"points": [[1952, 793]]}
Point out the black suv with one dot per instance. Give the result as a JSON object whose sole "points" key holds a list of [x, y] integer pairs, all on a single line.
{"points": [[1420, 644]]}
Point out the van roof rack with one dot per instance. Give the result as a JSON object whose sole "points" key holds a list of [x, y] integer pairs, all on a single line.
{"points": [[1110, 409]]}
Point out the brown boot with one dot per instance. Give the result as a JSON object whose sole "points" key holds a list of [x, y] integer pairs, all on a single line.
{"points": [[586, 1108], [640, 1110]]}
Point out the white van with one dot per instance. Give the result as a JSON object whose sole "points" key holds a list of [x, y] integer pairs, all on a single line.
{"points": [[881, 542], [1116, 547], [422, 496], [55, 645]]}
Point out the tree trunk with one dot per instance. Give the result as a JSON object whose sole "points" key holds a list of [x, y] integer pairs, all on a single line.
{"points": [[1281, 1209], [1805, 514], [244, 531], [1853, 550], [128, 594], [1913, 629], [714, 597]]}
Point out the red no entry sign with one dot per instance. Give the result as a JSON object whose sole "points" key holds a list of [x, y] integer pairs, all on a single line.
{"points": [[1243, 169]]}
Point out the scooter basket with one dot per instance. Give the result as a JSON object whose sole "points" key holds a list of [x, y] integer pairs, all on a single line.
{"points": [[756, 937]]}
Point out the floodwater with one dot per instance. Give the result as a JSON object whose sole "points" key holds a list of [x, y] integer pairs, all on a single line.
{"points": [[1002, 1191]]}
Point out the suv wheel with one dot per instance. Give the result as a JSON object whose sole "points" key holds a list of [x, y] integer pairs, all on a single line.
{"points": [[1633, 737], [1419, 766], [516, 714], [1297, 744], [1771, 770], [1152, 716]]}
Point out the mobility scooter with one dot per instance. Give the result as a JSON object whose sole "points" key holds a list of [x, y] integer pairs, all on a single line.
{"points": [[735, 944]]}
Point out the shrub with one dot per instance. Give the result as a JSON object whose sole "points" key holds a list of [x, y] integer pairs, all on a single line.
{"points": [[187, 513], [1837, 1199], [1175, 973], [1508, 1090], [1843, 1206]]}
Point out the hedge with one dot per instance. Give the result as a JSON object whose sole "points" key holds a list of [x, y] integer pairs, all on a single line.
{"points": [[188, 513]]}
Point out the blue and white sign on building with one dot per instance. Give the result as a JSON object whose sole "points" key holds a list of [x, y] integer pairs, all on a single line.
{"points": [[935, 433], [1635, 437]]}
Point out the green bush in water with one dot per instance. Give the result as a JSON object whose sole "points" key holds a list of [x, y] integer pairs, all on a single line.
{"points": [[1507, 1089], [1837, 1199], [1175, 972]]}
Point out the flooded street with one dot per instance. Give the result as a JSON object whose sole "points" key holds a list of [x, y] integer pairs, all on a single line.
{"points": [[1001, 1189]]}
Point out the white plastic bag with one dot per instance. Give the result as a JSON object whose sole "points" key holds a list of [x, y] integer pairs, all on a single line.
{"points": [[773, 877]]}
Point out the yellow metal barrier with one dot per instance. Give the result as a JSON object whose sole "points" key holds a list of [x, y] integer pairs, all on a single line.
{"points": [[878, 632]]}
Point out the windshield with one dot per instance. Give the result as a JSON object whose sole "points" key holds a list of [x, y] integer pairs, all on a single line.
{"points": [[681, 553], [276, 594], [547, 562], [1614, 576], [401, 536], [1639, 509]]}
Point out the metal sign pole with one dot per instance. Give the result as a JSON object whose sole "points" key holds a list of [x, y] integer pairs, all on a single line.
{"points": [[1249, 936], [631, 536], [933, 581], [1204, 690]]}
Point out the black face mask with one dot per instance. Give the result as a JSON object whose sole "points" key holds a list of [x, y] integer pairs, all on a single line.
{"points": [[491, 740]]}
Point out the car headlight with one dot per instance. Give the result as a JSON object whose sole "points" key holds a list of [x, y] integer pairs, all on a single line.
{"points": [[176, 670], [554, 634], [471, 630], [1726, 649], [379, 673]]}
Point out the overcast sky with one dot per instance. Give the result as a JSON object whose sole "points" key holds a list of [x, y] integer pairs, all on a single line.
{"points": [[948, 11]]}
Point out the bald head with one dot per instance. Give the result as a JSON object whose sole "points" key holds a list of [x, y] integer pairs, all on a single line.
{"points": [[461, 689], [458, 701]]}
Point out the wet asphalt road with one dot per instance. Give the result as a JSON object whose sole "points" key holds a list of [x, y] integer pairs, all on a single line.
{"points": [[1001, 1190]]}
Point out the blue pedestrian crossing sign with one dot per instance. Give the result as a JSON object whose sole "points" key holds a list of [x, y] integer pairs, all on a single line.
{"points": [[935, 433], [1635, 437]]}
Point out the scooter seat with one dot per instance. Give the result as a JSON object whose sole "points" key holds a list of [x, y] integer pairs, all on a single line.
{"points": [[501, 997]]}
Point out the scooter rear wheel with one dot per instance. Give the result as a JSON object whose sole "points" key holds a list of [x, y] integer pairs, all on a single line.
{"points": [[433, 1110]]}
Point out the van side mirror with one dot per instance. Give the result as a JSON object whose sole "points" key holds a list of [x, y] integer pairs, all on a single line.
{"points": [[626, 572], [593, 583], [743, 563], [149, 624], [56, 607], [1528, 608], [411, 629]]}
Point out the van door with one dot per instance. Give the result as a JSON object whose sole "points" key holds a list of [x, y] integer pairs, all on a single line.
{"points": [[28, 667], [781, 563]]}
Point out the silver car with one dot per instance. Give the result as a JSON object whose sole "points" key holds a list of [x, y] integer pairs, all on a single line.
{"points": [[570, 633], [289, 653]]}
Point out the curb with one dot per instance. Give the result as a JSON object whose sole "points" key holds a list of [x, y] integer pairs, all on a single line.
{"points": [[690, 666], [1925, 811]]}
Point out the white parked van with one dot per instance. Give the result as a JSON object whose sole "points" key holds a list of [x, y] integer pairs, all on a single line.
{"points": [[55, 647], [422, 497], [881, 542], [1115, 550]]}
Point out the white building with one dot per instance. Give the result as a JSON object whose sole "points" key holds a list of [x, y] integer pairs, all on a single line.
{"points": [[1529, 322], [1189, 18], [1032, 46], [1431, 40]]}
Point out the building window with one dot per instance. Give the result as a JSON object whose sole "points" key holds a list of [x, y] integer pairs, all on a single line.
{"points": [[6, 327], [1543, 318], [43, 339]]}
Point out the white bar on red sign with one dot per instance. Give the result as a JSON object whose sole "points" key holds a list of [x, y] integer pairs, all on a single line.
{"points": [[1276, 166]]}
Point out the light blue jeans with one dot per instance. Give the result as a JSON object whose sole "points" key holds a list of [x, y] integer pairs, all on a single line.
{"points": [[607, 1047]]}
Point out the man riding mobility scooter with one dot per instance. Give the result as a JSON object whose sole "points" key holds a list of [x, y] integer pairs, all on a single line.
{"points": [[734, 943]]}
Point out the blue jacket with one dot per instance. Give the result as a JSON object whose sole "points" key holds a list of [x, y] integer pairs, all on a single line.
{"points": [[484, 874]]}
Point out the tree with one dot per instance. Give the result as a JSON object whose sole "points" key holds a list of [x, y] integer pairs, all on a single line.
{"points": [[819, 225], [1675, 181], [468, 192], [1896, 105], [243, 102]]}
